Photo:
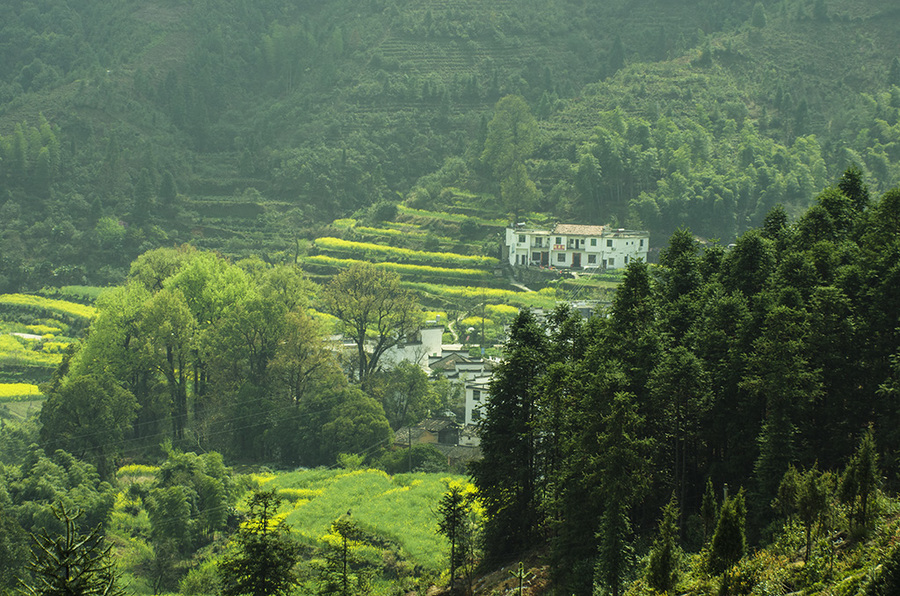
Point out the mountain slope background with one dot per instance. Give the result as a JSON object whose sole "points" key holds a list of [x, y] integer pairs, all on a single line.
{"points": [[243, 126]]}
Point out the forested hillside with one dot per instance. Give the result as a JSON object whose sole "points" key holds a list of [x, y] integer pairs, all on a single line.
{"points": [[245, 126]]}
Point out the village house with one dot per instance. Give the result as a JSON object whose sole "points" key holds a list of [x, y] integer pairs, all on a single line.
{"points": [[571, 246]]}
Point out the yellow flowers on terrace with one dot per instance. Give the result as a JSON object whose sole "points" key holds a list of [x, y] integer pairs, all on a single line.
{"points": [[136, 470], [401, 268], [296, 494], [391, 252], [18, 391], [59, 306]]}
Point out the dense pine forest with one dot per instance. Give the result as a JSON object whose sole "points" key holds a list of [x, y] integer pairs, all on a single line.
{"points": [[750, 372], [197, 198]]}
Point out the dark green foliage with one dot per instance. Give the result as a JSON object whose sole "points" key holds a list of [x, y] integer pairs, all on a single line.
{"points": [[729, 542], [812, 502], [759, 18], [13, 545], [419, 458], [72, 564], [854, 187], [779, 376], [861, 480], [88, 416], [616, 61], [263, 555], [894, 72], [709, 510], [619, 477], [507, 475], [405, 394]]}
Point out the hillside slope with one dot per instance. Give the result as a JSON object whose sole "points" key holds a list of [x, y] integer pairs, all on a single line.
{"points": [[241, 125]]}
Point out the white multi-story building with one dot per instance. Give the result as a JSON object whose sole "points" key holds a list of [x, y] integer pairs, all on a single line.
{"points": [[477, 393], [576, 246]]}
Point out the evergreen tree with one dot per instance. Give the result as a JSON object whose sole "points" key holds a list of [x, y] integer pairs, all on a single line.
{"points": [[758, 19], [854, 187], [512, 135], [708, 510], [620, 478], [74, 564], [507, 475], [779, 377], [168, 191], [860, 481], [454, 523], [263, 554], [729, 542], [663, 562], [141, 198], [616, 60], [894, 72], [342, 574], [812, 502]]}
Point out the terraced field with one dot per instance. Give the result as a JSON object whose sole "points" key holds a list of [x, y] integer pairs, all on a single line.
{"points": [[35, 331], [459, 279]]}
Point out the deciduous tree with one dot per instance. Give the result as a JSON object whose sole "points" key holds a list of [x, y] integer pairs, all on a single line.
{"points": [[376, 312]]}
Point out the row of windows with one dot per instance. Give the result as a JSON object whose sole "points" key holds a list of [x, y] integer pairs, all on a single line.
{"points": [[539, 241]]}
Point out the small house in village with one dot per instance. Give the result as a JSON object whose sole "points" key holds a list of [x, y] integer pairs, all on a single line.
{"points": [[571, 246]]}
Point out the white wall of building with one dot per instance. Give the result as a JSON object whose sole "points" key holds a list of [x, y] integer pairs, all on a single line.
{"points": [[476, 398], [613, 249]]}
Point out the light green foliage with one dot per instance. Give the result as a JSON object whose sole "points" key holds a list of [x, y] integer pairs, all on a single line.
{"points": [[407, 269], [18, 392], [376, 312], [39, 303]]}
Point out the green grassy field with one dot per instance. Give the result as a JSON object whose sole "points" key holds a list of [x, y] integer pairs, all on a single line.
{"points": [[399, 508], [396, 513]]}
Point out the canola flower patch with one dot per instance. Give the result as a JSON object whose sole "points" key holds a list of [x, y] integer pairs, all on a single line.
{"points": [[49, 304], [403, 268], [11, 392], [369, 249]]}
